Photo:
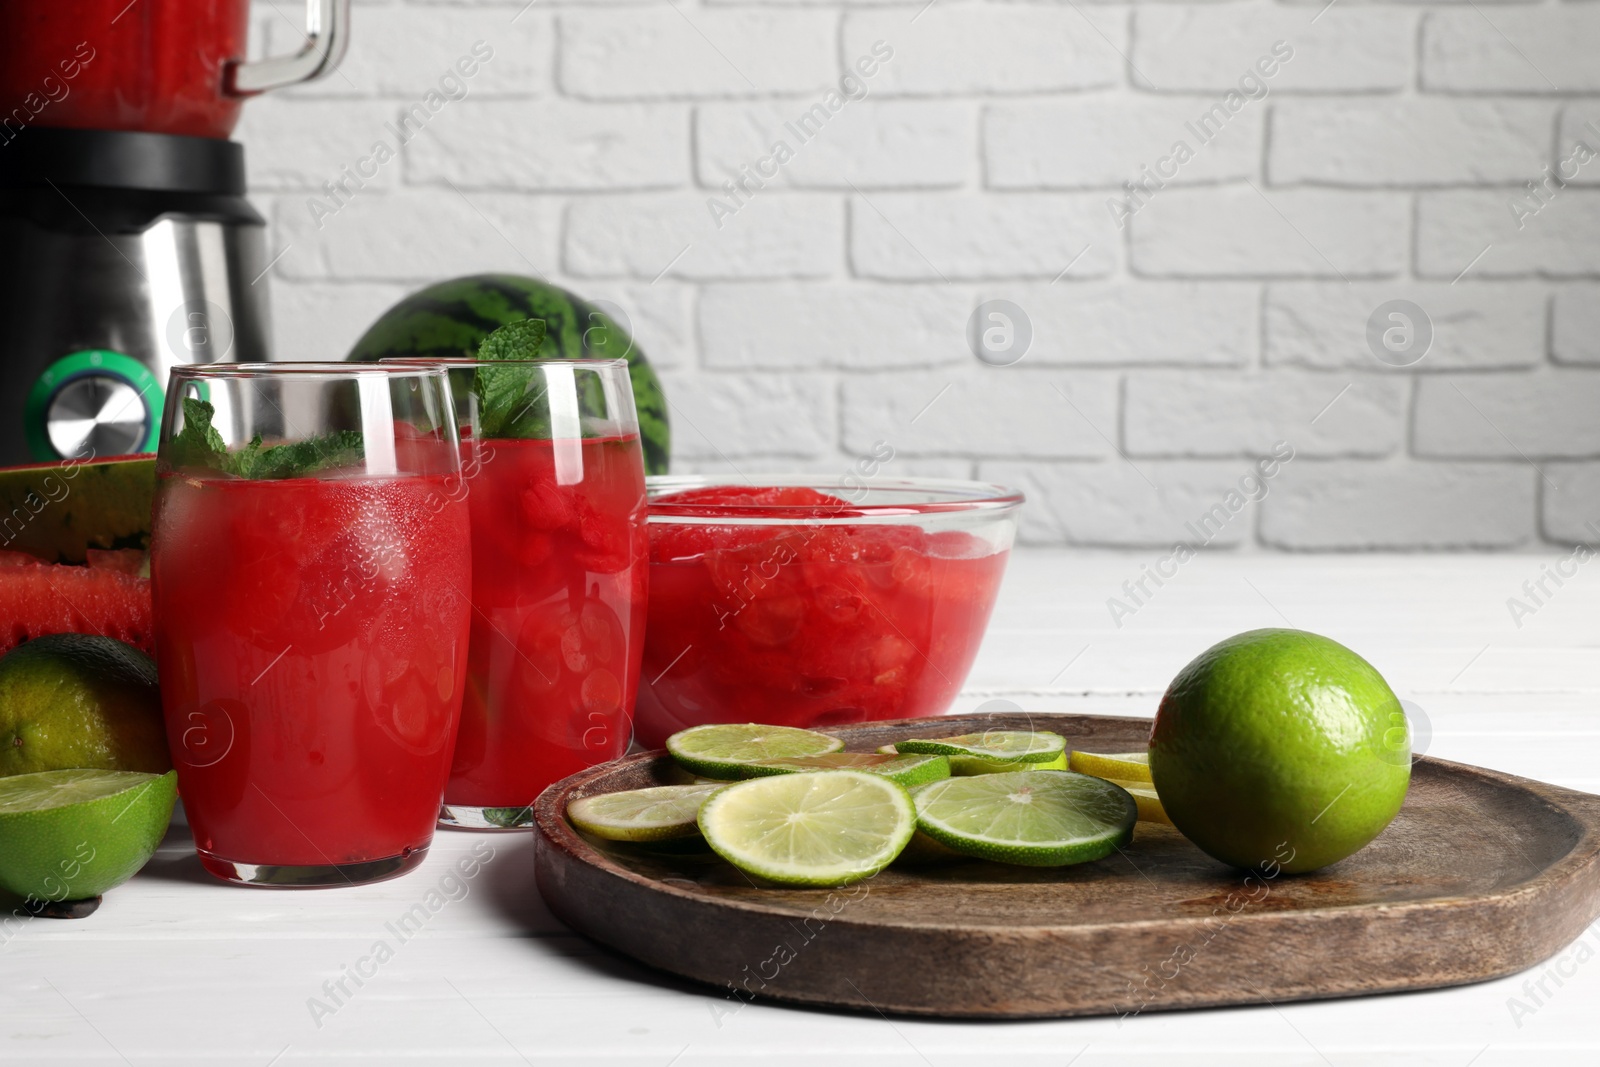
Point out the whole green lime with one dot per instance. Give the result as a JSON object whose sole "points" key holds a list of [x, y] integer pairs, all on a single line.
{"points": [[80, 700], [1280, 749], [72, 835]]}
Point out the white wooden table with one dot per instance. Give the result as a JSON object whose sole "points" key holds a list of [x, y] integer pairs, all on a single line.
{"points": [[178, 967]]}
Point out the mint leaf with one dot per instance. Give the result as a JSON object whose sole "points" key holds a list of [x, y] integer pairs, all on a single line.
{"points": [[327, 452], [243, 461], [199, 444], [505, 408], [515, 340]]}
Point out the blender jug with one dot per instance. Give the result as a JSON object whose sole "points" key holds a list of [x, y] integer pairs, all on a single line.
{"points": [[156, 66]]}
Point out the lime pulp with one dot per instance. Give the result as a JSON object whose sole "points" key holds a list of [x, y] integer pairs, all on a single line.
{"points": [[1033, 818], [726, 750], [908, 770], [1022, 746], [652, 814], [825, 828]]}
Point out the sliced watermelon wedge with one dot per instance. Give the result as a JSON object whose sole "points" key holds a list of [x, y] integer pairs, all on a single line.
{"points": [[62, 511], [107, 597]]}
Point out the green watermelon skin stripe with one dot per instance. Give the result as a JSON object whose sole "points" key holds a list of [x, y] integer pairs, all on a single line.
{"points": [[450, 320]]}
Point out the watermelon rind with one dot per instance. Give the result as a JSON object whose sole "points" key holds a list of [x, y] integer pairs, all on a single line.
{"points": [[58, 511], [448, 320]]}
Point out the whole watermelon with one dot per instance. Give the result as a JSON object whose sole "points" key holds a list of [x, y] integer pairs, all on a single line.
{"points": [[450, 319]]}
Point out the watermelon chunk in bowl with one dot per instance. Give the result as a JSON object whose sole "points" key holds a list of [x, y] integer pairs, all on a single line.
{"points": [[816, 602]]}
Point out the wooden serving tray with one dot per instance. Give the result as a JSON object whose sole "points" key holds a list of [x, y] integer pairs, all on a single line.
{"points": [[1481, 875]]}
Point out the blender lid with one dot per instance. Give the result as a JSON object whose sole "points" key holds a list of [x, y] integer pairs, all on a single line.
{"points": [[39, 157]]}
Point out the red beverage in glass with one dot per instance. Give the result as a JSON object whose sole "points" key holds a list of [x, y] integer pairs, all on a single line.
{"points": [[811, 625], [310, 635], [558, 595]]}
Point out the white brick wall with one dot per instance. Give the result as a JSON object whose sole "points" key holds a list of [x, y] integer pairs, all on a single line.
{"points": [[1540, 50], [873, 144], [969, 48], [1411, 142], [1476, 325], [1202, 47], [1088, 142], [1505, 416], [1203, 414], [1406, 505], [405, 50], [803, 327], [582, 146], [1454, 228], [1204, 211], [968, 235], [1248, 231], [657, 52]]}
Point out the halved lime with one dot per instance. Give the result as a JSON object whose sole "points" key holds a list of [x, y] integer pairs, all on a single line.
{"points": [[909, 770], [821, 829], [652, 814], [1035, 818], [1144, 795], [80, 700], [726, 750], [73, 834], [965, 765], [1023, 746], [1117, 766]]}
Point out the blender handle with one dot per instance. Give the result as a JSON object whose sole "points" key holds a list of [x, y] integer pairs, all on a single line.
{"points": [[327, 36]]}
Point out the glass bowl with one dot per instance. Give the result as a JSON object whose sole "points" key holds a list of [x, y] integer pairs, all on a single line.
{"points": [[816, 602]]}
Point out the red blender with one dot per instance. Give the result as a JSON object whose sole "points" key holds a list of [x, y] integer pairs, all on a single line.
{"points": [[126, 243]]}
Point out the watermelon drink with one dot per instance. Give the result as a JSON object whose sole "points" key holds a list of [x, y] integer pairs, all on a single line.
{"points": [[810, 604], [557, 499], [558, 595], [311, 602]]}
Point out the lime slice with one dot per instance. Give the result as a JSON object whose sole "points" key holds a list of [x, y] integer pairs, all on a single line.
{"points": [[1035, 818], [73, 834], [1144, 795], [726, 750], [1023, 746], [965, 765], [652, 814], [821, 829], [1118, 766], [908, 770]]}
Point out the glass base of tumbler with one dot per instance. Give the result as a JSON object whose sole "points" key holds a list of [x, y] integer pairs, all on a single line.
{"points": [[468, 817], [331, 876]]}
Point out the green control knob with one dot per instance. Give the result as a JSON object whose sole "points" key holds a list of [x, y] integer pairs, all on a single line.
{"points": [[93, 403]]}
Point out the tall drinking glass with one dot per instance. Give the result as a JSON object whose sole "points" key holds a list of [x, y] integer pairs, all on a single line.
{"points": [[555, 485], [310, 565]]}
